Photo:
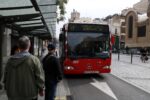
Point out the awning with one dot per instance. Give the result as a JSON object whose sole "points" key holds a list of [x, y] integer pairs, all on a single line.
{"points": [[34, 17]]}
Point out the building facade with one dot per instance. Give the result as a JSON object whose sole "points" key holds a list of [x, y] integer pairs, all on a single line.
{"points": [[137, 30], [117, 28], [74, 16], [141, 7], [137, 26]]}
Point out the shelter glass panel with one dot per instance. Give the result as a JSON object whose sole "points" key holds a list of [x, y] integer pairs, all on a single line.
{"points": [[14, 3]]}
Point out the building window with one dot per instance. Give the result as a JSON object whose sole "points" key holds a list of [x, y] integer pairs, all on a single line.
{"points": [[130, 27], [123, 30], [141, 31], [123, 24], [115, 31]]}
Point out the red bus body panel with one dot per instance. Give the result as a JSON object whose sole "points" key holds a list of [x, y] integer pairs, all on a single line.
{"points": [[87, 66]]}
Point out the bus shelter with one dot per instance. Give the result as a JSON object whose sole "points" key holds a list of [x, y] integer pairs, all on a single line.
{"points": [[35, 18]]}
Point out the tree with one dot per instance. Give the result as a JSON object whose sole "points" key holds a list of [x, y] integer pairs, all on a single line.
{"points": [[61, 5]]}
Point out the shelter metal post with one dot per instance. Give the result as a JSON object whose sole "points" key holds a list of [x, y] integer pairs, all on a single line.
{"points": [[1, 56]]}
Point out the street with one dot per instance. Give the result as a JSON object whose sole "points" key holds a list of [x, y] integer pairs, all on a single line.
{"points": [[100, 87], [125, 82], [87, 37], [103, 87]]}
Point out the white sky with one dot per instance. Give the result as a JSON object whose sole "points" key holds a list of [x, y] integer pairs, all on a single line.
{"points": [[95, 8]]}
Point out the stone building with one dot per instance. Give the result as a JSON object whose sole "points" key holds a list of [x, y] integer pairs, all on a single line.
{"points": [[137, 27], [117, 28], [141, 7], [99, 21], [137, 30], [74, 16], [84, 20]]}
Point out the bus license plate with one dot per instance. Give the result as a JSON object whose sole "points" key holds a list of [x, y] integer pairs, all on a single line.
{"points": [[91, 72]]}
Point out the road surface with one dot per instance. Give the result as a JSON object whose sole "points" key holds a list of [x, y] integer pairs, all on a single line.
{"points": [[103, 87]]}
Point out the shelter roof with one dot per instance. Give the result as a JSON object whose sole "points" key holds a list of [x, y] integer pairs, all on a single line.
{"points": [[35, 17]]}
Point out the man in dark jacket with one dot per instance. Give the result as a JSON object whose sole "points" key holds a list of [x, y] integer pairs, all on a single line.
{"points": [[53, 72], [24, 75], [143, 52]]}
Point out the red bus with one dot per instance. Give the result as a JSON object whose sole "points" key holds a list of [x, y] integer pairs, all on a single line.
{"points": [[85, 48]]}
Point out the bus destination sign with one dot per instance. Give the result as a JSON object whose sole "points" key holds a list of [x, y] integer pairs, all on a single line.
{"points": [[75, 27]]}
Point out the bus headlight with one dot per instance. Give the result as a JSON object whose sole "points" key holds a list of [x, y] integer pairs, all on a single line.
{"points": [[106, 67], [69, 68]]}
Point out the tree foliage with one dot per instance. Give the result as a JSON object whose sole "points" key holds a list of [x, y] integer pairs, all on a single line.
{"points": [[61, 5]]}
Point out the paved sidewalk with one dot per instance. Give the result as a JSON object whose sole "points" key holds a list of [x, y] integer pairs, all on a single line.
{"points": [[3, 95], [135, 59], [137, 73], [62, 92]]}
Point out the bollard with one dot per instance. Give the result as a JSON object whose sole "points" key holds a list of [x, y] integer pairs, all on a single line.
{"points": [[118, 55], [131, 57]]}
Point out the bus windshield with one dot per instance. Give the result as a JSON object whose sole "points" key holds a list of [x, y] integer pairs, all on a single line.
{"points": [[81, 44]]}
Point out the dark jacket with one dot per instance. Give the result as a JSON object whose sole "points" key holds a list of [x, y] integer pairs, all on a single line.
{"points": [[52, 68], [24, 76]]}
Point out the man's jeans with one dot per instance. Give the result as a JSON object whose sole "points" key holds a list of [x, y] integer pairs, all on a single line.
{"points": [[50, 89]]}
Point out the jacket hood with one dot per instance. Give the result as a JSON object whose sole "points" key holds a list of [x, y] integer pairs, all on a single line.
{"points": [[18, 59]]}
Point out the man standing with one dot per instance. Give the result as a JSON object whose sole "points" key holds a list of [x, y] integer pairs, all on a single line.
{"points": [[24, 75], [53, 72], [143, 52]]}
